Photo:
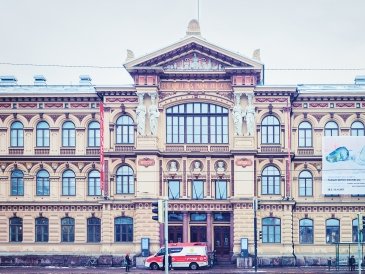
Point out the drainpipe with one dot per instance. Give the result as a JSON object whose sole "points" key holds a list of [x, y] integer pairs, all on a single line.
{"points": [[292, 232]]}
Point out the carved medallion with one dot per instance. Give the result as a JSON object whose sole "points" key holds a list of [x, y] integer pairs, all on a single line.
{"points": [[243, 162], [146, 162]]}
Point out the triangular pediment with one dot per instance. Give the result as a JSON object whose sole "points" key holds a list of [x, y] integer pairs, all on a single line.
{"points": [[193, 54], [195, 61]]}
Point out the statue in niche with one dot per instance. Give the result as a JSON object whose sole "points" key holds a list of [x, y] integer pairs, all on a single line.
{"points": [[154, 114], [197, 167], [220, 167], [250, 116], [141, 115], [238, 115], [173, 166]]}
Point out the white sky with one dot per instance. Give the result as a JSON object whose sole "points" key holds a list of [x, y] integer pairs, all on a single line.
{"points": [[290, 34]]}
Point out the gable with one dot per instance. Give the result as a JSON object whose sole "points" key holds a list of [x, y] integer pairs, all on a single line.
{"points": [[193, 53]]}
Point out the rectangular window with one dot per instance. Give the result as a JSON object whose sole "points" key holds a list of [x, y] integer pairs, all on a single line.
{"points": [[174, 189], [221, 189], [197, 189]]}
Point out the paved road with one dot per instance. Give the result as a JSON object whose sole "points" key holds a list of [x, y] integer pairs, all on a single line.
{"points": [[111, 270]]}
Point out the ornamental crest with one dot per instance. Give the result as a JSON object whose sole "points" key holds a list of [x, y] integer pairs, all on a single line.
{"points": [[243, 162], [194, 61], [146, 162]]}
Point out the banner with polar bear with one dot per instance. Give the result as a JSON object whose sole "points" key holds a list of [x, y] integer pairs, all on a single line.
{"points": [[343, 165]]}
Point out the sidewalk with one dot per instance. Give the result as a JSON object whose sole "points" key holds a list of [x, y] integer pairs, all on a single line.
{"points": [[107, 270]]}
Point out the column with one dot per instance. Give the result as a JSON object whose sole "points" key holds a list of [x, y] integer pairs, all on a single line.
{"points": [[185, 227], [209, 230]]}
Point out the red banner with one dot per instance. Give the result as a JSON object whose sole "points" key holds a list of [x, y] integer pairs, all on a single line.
{"points": [[101, 107]]}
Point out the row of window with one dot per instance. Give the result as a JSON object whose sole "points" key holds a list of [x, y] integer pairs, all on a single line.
{"points": [[123, 229], [125, 183], [193, 123], [305, 135], [43, 136]]}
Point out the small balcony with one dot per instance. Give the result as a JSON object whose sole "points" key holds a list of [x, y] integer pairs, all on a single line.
{"points": [[41, 151], [197, 148], [67, 151], [305, 151], [124, 148], [92, 151], [16, 151], [271, 149]]}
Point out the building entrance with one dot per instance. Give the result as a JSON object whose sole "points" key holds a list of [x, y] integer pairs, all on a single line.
{"points": [[175, 234], [222, 241], [198, 234]]}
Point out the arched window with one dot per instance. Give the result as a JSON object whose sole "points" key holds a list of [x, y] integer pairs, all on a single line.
{"points": [[305, 134], [42, 185], [306, 231], [94, 134], [355, 231], [270, 130], [271, 230], [67, 229], [270, 179], [357, 129], [16, 134], [41, 229], [125, 180], [93, 230], [331, 129], [332, 231], [16, 229], [17, 183], [197, 123], [123, 229], [68, 134], [125, 130], [305, 183], [94, 183], [42, 134], [68, 183]]}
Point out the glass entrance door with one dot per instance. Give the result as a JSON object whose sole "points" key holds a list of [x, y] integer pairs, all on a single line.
{"points": [[175, 234], [198, 234], [222, 240]]}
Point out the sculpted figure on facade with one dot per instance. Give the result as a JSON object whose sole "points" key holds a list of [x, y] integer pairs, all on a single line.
{"points": [[238, 115], [220, 167], [173, 166], [141, 115], [154, 114], [197, 167], [250, 116]]}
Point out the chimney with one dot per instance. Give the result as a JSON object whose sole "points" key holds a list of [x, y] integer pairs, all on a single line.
{"points": [[8, 80], [39, 80], [360, 80], [85, 80]]}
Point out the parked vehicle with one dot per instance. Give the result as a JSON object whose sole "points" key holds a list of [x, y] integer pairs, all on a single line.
{"points": [[184, 255]]}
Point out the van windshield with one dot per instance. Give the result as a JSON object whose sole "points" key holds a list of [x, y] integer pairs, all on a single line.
{"points": [[171, 251]]}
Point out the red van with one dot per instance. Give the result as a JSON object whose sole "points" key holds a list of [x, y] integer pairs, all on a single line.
{"points": [[186, 255]]}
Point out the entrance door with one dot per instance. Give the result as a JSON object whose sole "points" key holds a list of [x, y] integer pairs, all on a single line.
{"points": [[175, 234], [222, 240], [198, 234]]}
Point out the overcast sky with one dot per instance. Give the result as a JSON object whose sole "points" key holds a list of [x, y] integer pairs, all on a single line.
{"points": [[290, 34]]}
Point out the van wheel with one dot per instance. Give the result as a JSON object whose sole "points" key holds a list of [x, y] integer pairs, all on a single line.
{"points": [[193, 266], [154, 266]]}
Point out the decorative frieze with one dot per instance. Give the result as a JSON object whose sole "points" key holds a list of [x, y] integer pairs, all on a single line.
{"points": [[270, 100], [122, 100]]}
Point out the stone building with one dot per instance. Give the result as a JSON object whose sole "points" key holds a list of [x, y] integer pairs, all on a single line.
{"points": [[198, 126]]}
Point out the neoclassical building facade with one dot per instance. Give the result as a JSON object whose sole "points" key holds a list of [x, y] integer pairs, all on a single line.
{"points": [[198, 126]]}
